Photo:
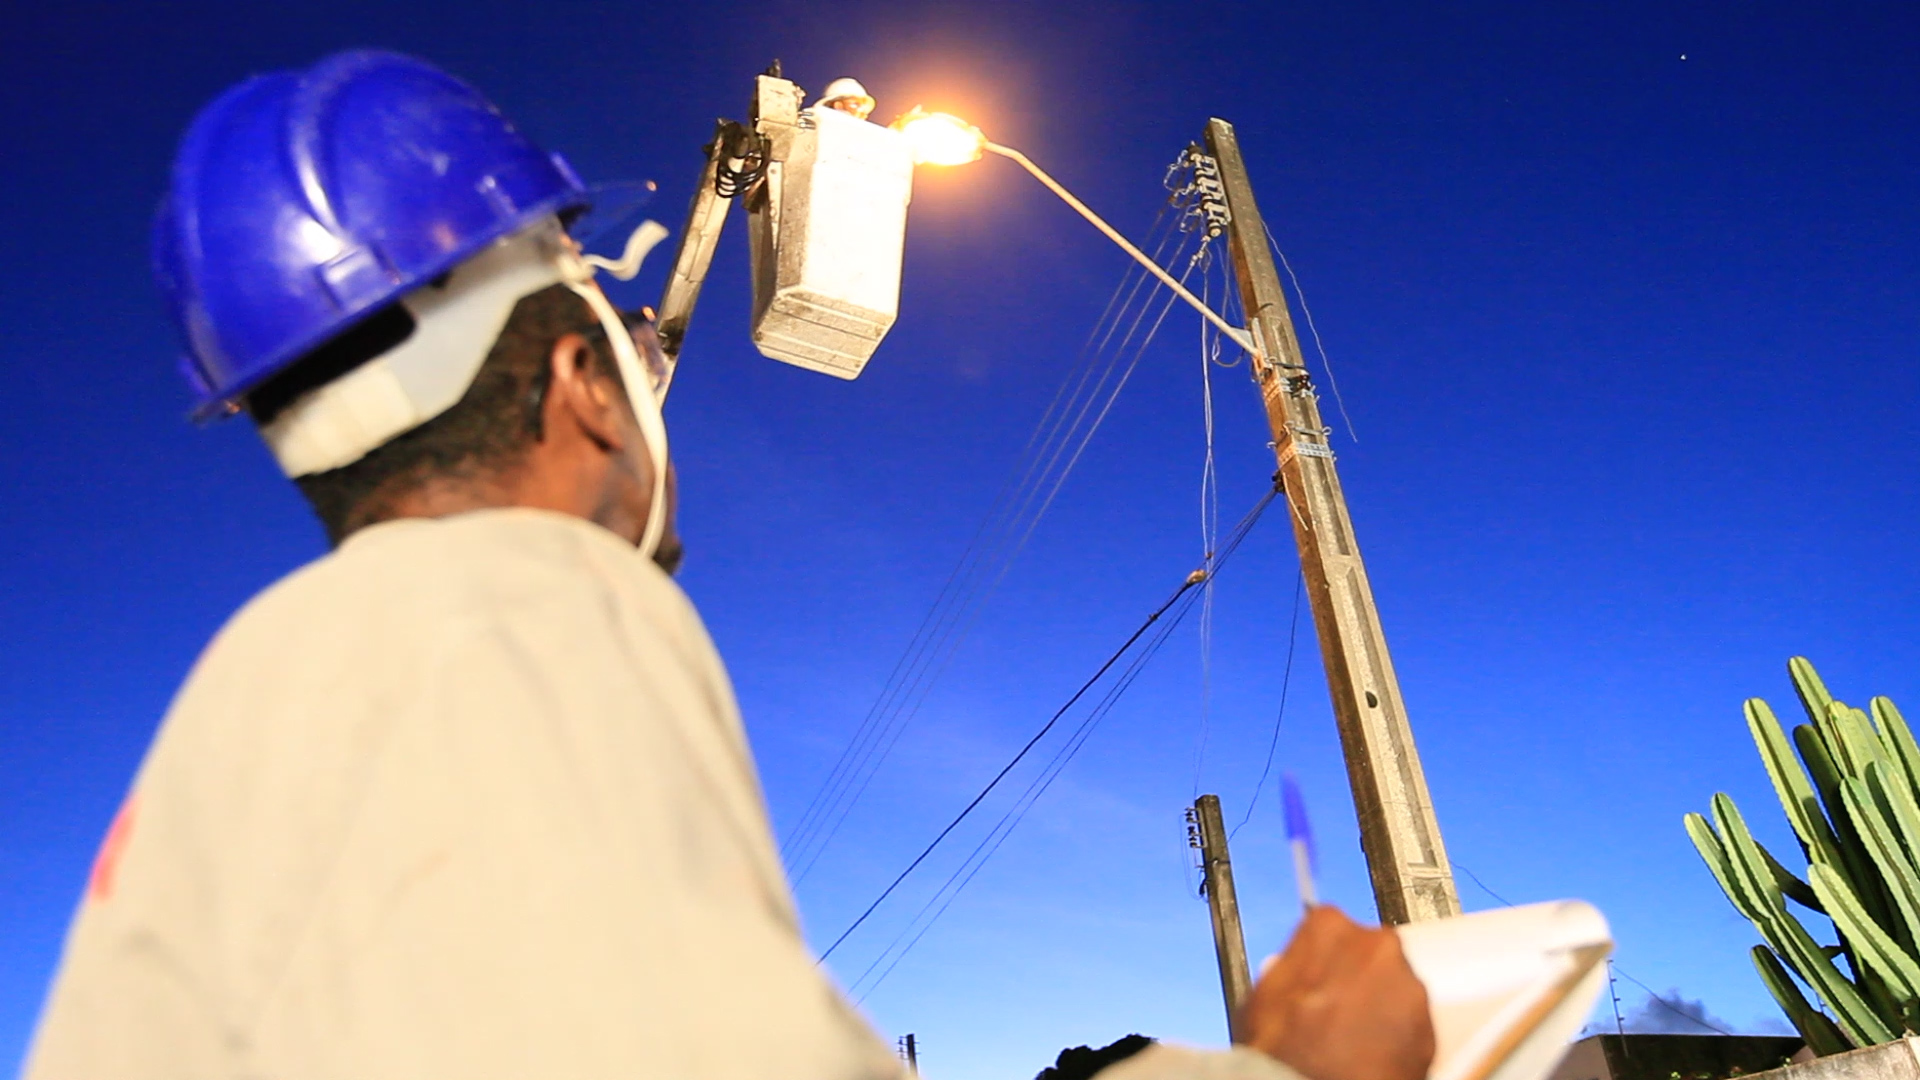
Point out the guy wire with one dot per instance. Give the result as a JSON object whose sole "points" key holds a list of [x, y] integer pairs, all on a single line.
{"points": [[1318, 347]]}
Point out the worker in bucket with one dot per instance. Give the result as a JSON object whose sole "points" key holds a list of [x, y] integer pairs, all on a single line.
{"points": [[469, 796], [848, 96]]}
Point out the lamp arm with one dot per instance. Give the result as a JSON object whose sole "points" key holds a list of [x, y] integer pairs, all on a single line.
{"points": [[1238, 335]]}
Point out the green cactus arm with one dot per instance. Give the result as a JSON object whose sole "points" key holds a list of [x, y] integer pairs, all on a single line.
{"points": [[1873, 945], [1864, 1024], [1856, 1016], [1898, 738], [1849, 852], [1835, 740], [1848, 728], [1783, 879], [1749, 869], [1790, 782], [1795, 889], [1886, 1002], [1714, 854], [1811, 742], [1822, 1034], [1707, 842], [1806, 682], [1894, 800], [1898, 874]]}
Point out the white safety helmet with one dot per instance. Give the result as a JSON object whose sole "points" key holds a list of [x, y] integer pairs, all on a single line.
{"points": [[847, 95]]}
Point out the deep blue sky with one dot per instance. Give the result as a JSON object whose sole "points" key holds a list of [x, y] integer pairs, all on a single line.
{"points": [[1628, 338]]}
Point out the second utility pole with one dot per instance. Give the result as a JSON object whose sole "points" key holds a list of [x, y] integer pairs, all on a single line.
{"points": [[1208, 833], [1412, 879], [910, 1050]]}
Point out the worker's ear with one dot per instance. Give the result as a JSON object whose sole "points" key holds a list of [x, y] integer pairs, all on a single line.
{"points": [[580, 398]]}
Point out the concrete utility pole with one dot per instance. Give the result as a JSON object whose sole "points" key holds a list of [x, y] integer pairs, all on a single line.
{"points": [[1206, 832], [1412, 879], [910, 1052]]}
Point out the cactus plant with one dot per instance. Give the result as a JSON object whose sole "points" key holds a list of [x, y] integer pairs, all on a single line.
{"points": [[1850, 786]]}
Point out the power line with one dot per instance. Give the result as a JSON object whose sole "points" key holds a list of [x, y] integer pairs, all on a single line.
{"points": [[1008, 767], [1079, 407], [1033, 523], [972, 864], [1483, 885], [1286, 681], [984, 551], [1209, 525], [1668, 1005], [970, 867], [928, 654], [942, 624], [1652, 995]]}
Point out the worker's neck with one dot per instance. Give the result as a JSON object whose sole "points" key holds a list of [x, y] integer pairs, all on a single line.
{"points": [[441, 498], [524, 487]]}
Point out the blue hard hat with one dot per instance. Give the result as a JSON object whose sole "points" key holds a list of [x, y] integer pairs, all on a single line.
{"points": [[304, 201]]}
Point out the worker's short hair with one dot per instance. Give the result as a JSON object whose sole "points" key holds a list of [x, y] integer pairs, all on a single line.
{"points": [[487, 432]]}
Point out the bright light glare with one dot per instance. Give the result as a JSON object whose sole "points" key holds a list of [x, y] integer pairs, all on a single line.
{"points": [[940, 138]]}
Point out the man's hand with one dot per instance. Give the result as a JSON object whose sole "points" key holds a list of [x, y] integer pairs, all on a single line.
{"points": [[1340, 1004]]}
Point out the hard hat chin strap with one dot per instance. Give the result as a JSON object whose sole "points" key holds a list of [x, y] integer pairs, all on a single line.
{"points": [[340, 422], [640, 394]]}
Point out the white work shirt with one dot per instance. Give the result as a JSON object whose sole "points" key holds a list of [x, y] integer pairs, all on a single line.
{"points": [[467, 798]]}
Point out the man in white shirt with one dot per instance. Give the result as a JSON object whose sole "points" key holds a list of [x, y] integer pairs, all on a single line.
{"points": [[470, 796]]}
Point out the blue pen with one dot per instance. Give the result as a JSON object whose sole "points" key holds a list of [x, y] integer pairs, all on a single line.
{"points": [[1300, 838]]}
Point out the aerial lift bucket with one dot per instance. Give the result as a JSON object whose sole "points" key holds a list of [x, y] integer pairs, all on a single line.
{"points": [[827, 229]]}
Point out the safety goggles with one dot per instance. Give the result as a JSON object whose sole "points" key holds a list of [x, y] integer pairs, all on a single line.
{"points": [[646, 346]]}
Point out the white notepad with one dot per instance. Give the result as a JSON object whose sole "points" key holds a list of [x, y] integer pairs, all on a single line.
{"points": [[1509, 988]]}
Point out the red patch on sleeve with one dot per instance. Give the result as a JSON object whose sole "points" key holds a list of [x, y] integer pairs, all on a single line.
{"points": [[107, 862]]}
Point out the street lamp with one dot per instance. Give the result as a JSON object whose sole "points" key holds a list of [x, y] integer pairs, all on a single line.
{"points": [[826, 196], [938, 138]]}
